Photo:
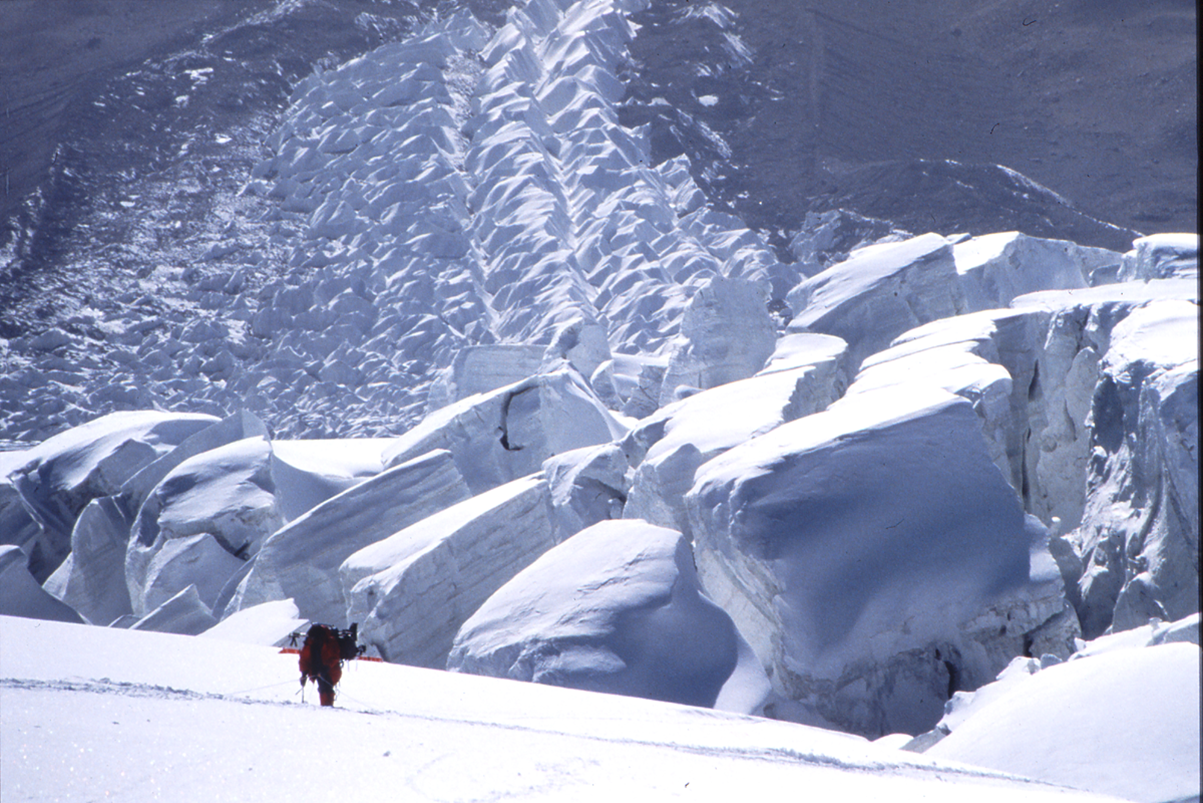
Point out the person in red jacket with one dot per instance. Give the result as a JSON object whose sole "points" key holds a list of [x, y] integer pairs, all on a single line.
{"points": [[322, 658]]}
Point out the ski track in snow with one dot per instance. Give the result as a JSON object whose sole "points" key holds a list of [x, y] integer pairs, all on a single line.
{"points": [[106, 687]]}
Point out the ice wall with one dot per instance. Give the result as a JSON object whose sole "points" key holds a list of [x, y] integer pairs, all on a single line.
{"points": [[869, 553]]}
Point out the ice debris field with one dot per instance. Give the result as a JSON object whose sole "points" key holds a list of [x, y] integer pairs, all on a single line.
{"points": [[941, 493]]}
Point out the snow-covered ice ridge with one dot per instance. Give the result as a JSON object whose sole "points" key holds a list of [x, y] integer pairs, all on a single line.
{"points": [[435, 198]]}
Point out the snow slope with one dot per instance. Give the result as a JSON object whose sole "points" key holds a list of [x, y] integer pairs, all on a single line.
{"points": [[1059, 725], [92, 713]]}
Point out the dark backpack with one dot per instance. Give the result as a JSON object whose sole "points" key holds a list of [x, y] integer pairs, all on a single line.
{"points": [[348, 646], [319, 635]]}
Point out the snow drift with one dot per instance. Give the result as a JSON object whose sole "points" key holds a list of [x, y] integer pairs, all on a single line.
{"points": [[617, 609], [1059, 725]]}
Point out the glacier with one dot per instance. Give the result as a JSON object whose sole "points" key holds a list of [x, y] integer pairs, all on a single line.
{"points": [[521, 403]]}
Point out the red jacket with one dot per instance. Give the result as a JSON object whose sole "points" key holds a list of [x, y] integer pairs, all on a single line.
{"points": [[321, 661]]}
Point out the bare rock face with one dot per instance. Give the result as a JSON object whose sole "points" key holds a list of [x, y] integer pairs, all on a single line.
{"points": [[301, 560], [615, 609], [874, 557], [1139, 537], [412, 591]]}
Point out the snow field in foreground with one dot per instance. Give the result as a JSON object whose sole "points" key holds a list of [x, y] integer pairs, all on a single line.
{"points": [[92, 713]]}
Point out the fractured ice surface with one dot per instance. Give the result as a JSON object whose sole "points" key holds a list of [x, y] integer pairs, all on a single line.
{"points": [[801, 350], [868, 553], [214, 511], [233, 428], [507, 433], [728, 334], [995, 268], [1031, 373], [453, 193], [301, 560], [207, 516], [480, 369], [878, 293], [413, 590], [983, 357], [1147, 635], [1139, 538], [1162, 256], [21, 595], [616, 608], [485, 268], [1129, 413], [59, 476], [1030, 376], [185, 613], [92, 578], [17, 527], [668, 446], [889, 287], [586, 486]]}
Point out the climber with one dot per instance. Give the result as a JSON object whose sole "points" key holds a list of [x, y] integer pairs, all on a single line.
{"points": [[323, 654]]}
